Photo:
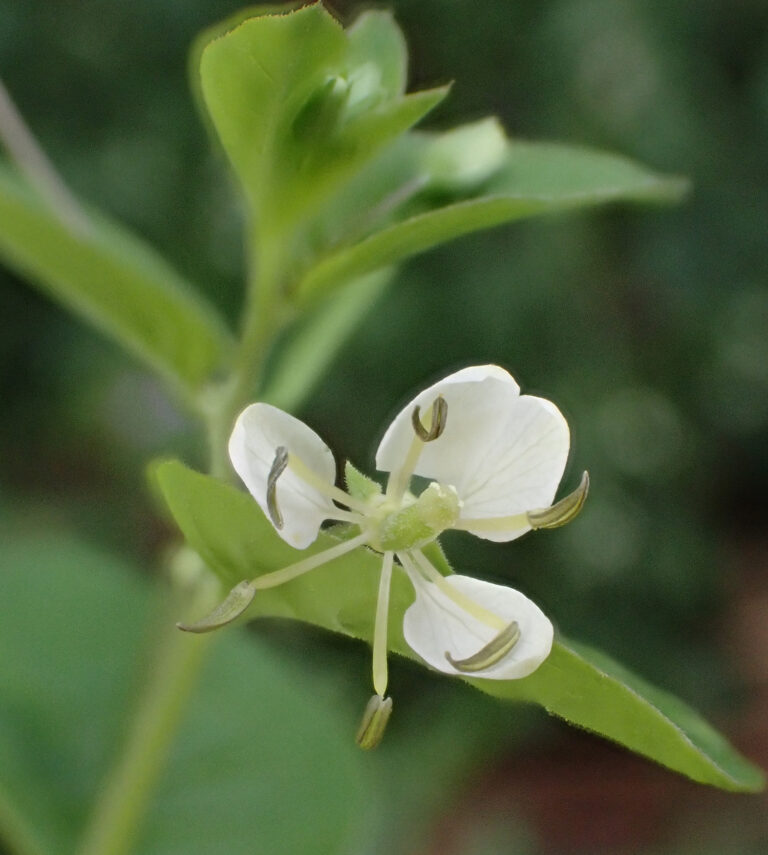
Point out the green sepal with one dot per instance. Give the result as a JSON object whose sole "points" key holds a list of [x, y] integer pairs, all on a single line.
{"points": [[360, 486]]}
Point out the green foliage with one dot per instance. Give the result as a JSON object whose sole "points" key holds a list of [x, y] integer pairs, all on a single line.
{"points": [[585, 688], [260, 755], [299, 105], [117, 283], [534, 179], [317, 126]]}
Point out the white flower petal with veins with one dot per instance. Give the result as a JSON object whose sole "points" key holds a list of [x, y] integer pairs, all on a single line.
{"points": [[503, 452], [435, 625], [259, 431]]}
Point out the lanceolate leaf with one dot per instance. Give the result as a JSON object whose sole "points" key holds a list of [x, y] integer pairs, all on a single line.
{"points": [[538, 178], [112, 279], [576, 684]]}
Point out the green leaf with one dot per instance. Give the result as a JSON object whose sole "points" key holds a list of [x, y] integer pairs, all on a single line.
{"points": [[361, 138], [256, 79], [538, 178], [261, 759], [585, 688], [578, 684], [300, 105], [113, 280], [376, 38], [310, 348]]}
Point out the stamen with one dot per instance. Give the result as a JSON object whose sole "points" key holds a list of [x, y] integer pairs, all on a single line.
{"points": [[236, 602], [493, 652], [278, 577], [300, 468], [561, 512], [431, 574], [493, 523], [374, 722], [347, 517], [380, 627], [278, 467], [400, 478], [439, 415]]}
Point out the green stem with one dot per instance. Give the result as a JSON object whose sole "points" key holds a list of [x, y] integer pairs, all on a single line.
{"points": [[177, 657], [176, 663], [265, 315]]}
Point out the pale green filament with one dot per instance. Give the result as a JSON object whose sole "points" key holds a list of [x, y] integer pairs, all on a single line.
{"points": [[493, 524], [298, 467], [271, 580], [400, 478], [241, 596], [472, 608], [380, 627], [559, 514]]}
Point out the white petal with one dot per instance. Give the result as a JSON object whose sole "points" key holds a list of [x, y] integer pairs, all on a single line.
{"points": [[503, 452], [434, 625], [472, 395], [259, 430]]}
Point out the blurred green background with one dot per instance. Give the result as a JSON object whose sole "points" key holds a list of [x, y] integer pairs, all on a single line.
{"points": [[648, 327]]}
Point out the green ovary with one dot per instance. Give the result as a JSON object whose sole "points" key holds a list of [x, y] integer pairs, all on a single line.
{"points": [[436, 509]]}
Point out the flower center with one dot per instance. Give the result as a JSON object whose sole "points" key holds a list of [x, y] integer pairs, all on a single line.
{"points": [[413, 522]]}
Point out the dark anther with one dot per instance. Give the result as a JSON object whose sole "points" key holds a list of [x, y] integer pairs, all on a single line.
{"points": [[278, 467], [437, 425]]}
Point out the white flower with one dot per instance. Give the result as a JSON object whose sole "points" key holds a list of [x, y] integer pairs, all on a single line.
{"points": [[494, 459]]}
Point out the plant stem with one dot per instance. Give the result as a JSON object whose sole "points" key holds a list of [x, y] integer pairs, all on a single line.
{"points": [[177, 658], [265, 315], [125, 797]]}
